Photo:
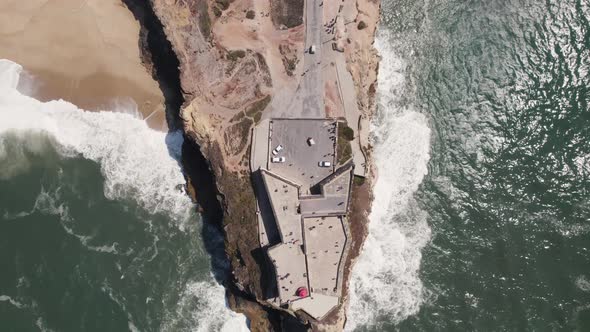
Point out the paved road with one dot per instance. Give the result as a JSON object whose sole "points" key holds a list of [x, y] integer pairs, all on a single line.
{"points": [[308, 101], [313, 83]]}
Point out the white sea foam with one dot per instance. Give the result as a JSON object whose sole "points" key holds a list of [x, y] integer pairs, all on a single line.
{"points": [[16, 158], [137, 163], [49, 203], [33, 306], [14, 216], [583, 283], [201, 307], [385, 285], [109, 291], [6, 298], [40, 322]]}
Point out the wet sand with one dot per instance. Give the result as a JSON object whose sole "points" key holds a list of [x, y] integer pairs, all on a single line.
{"points": [[83, 51]]}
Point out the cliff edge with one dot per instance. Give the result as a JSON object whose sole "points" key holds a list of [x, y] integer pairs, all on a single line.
{"points": [[241, 62]]}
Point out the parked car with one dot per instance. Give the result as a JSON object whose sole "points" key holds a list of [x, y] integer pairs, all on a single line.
{"points": [[312, 49], [277, 149], [280, 159], [310, 141], [324, 163]]}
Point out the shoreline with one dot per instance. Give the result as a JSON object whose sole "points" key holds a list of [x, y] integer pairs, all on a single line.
{"points": [[217, 123], [84, 52], [227, 83], [218, 84]]}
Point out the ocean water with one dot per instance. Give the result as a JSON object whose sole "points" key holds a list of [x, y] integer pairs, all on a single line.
{"points": [[481, 213], [95, 234], [482, 143]]}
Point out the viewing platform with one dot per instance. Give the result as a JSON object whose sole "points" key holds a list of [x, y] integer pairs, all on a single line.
{"points": [[303, 199]]}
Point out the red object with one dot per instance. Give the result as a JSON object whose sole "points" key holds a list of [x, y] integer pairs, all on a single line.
{"points": [[302, 292]]}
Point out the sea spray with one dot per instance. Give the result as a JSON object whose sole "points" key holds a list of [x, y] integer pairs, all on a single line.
{"points": [[134, 159], [504, 85], [385, 285], [138, 165], [201, 302]]}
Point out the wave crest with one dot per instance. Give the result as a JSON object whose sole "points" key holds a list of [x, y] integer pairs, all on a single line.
{"points": [[385, 285], [135, 161]]}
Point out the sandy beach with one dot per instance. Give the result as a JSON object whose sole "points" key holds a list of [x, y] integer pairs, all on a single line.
{"points": [[83, 51]]}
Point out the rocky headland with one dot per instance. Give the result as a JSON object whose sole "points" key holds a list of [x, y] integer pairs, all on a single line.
{"points": [[239, 61]]}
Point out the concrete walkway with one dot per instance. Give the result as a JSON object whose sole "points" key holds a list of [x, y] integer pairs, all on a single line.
{"points": [[260, 146], [352, 113]]}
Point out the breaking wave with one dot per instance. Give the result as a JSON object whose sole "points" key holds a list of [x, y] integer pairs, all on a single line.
{"points": [[138, 164], [134, 161], [200, 302], [385, 285]]}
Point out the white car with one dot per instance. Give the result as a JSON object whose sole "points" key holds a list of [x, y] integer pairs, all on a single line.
{"points": [[324, 163], [278, 159], [277, 149], [310, 141]]}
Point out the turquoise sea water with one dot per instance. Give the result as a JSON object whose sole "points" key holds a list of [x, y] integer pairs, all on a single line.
{"points": [[501, 221]]}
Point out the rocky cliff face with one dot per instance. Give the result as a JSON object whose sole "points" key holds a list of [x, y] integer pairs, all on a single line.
{"points": [[234, 57]]}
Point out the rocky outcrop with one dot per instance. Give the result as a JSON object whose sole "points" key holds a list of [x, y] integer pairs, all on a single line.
{"points": [[234, 57]]}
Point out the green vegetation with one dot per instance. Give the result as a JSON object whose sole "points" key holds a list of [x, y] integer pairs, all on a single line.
{"points": [[361, 25], [287, 12], [223, 4], [255, 109], [257, 117], [235, 55], [290, 64], [204, 20], [250, 15], [263, 66], [236, 135], [220, 6], [241, 228], [358, 180], [237, 117], [345, 131], [344, 149]]}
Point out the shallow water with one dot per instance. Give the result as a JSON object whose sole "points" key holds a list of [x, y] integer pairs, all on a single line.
{"points": [[496, 236]]}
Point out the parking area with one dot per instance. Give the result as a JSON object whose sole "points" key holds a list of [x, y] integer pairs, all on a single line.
{"points": [[302, 159]]}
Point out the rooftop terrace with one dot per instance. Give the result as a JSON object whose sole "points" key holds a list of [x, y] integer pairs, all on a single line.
{"points": [[302, 159], [325, 240], [302, 212]]}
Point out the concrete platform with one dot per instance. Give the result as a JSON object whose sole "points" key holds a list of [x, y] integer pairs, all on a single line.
{"points": [[260, 142], [316, 305], [291, 270], [333, 198], [336, 18], [325, 240], [284, 198], [301, 212], [302, 160]]}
